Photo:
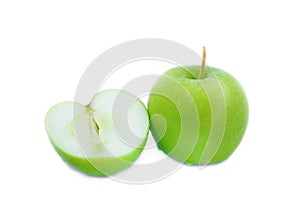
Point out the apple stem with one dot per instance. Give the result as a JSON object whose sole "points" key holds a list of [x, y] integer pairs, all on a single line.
{"points": [[96, 125], [90, 111], [203, 63]]}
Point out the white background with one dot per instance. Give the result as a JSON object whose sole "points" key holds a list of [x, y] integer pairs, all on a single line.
{"points": [[45, 48]]}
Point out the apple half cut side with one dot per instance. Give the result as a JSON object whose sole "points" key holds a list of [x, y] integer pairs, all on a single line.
{"points": [[100, 139]]}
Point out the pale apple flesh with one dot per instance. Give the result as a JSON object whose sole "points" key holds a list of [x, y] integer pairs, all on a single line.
{"points": [[198, 121], [94, 138]]}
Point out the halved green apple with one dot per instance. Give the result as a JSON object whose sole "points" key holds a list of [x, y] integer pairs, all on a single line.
{"points": [[100, 139]]}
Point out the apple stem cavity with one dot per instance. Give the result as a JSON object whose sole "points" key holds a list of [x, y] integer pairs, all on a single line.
{"points": [[203, 63]]}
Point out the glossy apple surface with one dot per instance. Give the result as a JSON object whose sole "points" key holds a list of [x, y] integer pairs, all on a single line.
{"points": [[198, 121], [102, 138]]}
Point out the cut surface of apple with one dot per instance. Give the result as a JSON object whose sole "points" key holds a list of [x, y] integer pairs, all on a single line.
{"points": [[102, 138]]}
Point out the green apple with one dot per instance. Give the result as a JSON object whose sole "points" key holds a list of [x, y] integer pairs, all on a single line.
{"points": [[100, 139], [196, 119]]}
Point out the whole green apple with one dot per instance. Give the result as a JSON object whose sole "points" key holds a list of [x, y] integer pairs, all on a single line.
{"points": [[198, 118]]}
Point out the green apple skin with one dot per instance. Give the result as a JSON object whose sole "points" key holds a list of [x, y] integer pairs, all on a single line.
{"points": [[166, 132], [109, 165], [95, 165]]}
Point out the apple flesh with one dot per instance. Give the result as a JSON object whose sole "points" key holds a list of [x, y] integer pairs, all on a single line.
{"points": [[100, 139], [198, 121]]}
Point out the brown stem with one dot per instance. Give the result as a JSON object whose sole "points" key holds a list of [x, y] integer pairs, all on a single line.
{"points": [[203, 63]]}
